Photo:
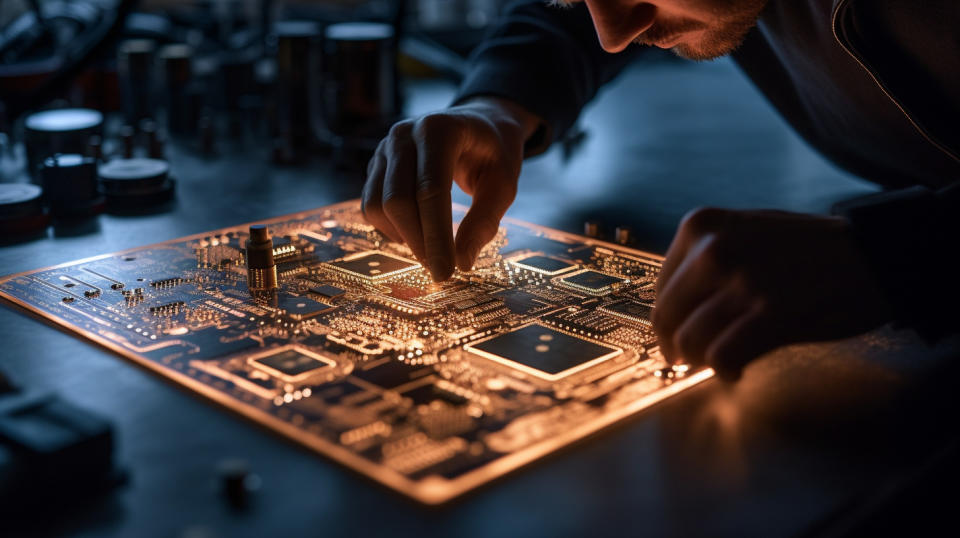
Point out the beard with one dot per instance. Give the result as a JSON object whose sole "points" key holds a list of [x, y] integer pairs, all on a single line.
{"points": [[734, 20]]}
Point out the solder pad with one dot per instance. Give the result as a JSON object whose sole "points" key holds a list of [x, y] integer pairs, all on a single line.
{"points": [[430, 389]]}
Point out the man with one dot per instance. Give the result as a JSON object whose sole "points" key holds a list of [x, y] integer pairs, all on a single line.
{"points": [[874, 85]]}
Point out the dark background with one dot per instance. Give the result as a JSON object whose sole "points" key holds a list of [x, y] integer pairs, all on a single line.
{"points": [[846, 438]]}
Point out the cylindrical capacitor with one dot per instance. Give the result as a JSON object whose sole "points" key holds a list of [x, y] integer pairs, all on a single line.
{"points": [[298, 54], [176, 63], [135, 74], [21, 211], [70, 183], [360, 79], [624, 235], [261, 267], [65, 130], [135, 183], [129, 138]]}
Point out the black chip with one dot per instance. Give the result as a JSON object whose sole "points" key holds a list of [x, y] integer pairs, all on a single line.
{"points": [[300, 308], [328, 291], [374, 265], [542, 351], [591, 280], [292, 362], [544, 264], [631, 310], [519, 302]]}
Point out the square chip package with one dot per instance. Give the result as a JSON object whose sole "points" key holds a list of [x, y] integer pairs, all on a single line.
{"points": [[301, 308], [543, 352], [544, 265], [630, 310], [592, 282], [290, 363], [373, 265]]}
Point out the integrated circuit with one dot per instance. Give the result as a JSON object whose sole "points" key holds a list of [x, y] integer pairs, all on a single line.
{"points": [[592, 282], [290, 363], [630, 310], [543, 352], [373, 265], [429, 388], [301, 308], [544, 265]]}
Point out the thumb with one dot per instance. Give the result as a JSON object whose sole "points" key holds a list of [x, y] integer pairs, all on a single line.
{"points": [[491, 199]]}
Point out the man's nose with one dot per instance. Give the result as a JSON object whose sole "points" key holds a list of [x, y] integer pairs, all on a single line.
{"points": [[619, 22]]}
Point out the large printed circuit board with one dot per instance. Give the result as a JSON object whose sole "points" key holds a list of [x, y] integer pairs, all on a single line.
{"points": [[429, 388]]}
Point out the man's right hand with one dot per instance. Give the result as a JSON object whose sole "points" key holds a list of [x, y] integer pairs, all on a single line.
{"points": [[478, 144]]}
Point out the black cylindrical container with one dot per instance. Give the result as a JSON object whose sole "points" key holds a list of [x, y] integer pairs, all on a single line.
{"points": [[70, 184], [176, 63], [65, 130], [298, 51], [135, 73], [360, 81]]}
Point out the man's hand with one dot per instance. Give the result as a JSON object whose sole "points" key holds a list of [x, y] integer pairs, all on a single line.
{"points": [[736, 284], [478, 144]]}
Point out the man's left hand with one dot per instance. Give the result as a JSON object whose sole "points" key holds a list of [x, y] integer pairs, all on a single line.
{"points": [[736, 284]]}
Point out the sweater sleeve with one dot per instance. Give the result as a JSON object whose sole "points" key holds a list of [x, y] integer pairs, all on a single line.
{"points": [[910, 237], [548, 60]]}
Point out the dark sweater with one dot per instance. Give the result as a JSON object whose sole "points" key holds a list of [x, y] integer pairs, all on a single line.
{"points": [[873, 85]]}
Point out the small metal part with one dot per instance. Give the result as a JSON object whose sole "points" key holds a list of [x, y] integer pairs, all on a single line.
{"points": [[237, 482], [261, 267], [624, 235], [95, 147], [157, 145]]}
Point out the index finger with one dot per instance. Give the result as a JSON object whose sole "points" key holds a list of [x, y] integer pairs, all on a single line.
{"points": [[437, 154]]}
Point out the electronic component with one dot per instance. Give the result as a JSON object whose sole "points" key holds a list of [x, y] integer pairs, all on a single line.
{"points": [[135, 183], [291, 363], [261, 267], [70, 182], [590, 281], [431, 388], [301, 308], [373, 265], [630, 310], [64, 130], [543, 265], [543, 352], [21, 211], [325, 290]]}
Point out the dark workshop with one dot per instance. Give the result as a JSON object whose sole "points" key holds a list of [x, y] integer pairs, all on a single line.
{"points": [[479, 268]]}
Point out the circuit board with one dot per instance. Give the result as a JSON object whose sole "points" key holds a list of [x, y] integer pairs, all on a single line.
{"points": [[429, 388]]}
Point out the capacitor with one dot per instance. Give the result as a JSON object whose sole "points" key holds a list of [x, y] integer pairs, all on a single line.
{"points": [[135, 74], [128, 137], [261, 267], [624, 235], [136, 183], [360, 79], [21, 211], [65, 130], [70, 184]]}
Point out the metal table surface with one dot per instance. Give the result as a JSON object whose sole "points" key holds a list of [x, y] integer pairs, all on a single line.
{"points": [[808, 437]]}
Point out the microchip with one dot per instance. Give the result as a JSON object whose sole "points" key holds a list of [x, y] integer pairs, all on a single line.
{"points": [[519, 301], [291, 362], [544, 265], [301, 308], [328, 291], [373, 265], [590, 281], [631, 310], [540, 351]]}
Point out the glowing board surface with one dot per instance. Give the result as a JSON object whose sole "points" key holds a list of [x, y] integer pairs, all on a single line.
{"points": [[430, 389]]}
